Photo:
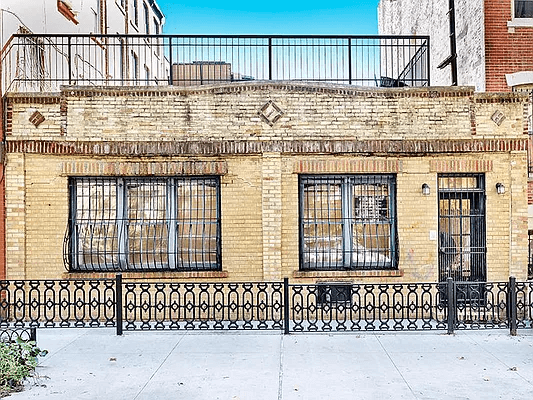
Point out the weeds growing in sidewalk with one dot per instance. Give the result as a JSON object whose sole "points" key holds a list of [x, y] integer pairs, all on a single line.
{"points": [[17, 362]]}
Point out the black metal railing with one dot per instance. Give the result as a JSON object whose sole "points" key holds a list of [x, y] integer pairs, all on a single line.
{"points": [[43, 62], [530, 254], [58, 303], [321, 307]]}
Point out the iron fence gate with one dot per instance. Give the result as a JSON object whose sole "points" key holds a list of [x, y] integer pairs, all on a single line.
{"points": [[322, 307]]}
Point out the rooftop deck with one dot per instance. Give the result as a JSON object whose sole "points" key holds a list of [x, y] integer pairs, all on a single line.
{"points": [[43, 62]]}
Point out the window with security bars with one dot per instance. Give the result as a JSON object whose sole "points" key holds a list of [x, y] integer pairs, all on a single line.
{"points": [[144, 224], [523, 8], [462, 228], [348, 222]]}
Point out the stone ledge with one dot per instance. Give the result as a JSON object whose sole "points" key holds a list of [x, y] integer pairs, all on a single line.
{"points": [[250, 86], [349, 274]]}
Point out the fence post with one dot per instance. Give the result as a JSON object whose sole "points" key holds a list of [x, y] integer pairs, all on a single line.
{"points": [[33, 334], [286, 314], [450, 288], [118, 303], [512, 313]]}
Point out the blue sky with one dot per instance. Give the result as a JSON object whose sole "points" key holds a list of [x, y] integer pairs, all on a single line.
{"points": [[356, 17]]}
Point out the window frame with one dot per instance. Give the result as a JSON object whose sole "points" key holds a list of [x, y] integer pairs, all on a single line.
{"points": [[349, 220], [515, 11], [106, 207], [517, 22]]}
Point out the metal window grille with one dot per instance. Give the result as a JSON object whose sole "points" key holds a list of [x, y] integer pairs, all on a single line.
{"points": [[348, 222], [462, 230], [129, 224]]}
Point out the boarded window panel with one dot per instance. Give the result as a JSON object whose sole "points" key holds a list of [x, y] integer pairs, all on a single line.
{"points": [[197, 221], [348, 222], [96, 229], [147, 222], [323, 224], [372, 245], [125, 224]]}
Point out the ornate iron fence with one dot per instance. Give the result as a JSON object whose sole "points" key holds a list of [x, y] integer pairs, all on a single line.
{"points": [[11, 335], [321, 307], [58, 303], [43, 62], [155, 305]]}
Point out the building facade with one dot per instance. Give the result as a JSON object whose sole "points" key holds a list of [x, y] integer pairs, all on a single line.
{"points": [[490, 41], [257, 181]]}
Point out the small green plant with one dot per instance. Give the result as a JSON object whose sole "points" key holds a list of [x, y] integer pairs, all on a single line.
{"points": [[17, 362]]}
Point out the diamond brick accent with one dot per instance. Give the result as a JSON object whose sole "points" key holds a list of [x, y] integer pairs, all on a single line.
{"points": [[270, 113]]}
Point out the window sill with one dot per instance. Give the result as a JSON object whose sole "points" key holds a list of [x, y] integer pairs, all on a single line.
{"points": [[375, 273], [147, 275], [520, 23]]}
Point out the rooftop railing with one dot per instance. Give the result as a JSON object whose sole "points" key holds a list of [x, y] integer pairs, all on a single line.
{"points": [[43, 62]]}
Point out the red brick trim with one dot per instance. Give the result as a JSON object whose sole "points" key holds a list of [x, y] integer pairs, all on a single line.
{"points": [[459, 165], [215, 148], [147, 275], [33, 98], [9, 120], [347, 166], [102, 168]]}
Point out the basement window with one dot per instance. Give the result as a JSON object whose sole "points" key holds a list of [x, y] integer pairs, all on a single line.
{"points": [[334, 294], [144, 224], [348, 222]]}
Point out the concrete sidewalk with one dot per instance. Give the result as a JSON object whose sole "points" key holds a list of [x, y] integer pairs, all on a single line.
{"points": [[96, 364]]}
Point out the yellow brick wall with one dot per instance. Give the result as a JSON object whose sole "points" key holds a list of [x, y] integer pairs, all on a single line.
{"points": [[233, 113], [259, 209], [110, 132]]}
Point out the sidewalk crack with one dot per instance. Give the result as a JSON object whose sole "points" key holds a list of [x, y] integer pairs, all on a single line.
{"points": [[280, 376], [395, 366], [160, 365]]}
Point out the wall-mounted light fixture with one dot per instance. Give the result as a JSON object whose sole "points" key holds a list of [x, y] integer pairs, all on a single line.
{"points": [[500, 188], [426, 190]]}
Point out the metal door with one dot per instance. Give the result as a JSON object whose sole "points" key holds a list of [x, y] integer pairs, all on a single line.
{"points": [[462, 229]]}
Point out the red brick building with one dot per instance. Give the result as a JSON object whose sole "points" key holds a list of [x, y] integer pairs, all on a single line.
{"points": [[489, 43]]}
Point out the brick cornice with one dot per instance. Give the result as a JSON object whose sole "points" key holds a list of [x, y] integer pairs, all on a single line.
{"points": [[214, 148], [236, 87]]}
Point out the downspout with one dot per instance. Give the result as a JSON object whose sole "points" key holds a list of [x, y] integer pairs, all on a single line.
{"points": [[452, 58]]}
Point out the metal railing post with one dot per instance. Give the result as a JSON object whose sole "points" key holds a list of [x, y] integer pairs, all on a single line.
{"points": [[350, 61], [428, 63], [118, 303], [512, 313], [286, 311], [69, 52], [171, 72], [450, 288], [269, 58]]}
